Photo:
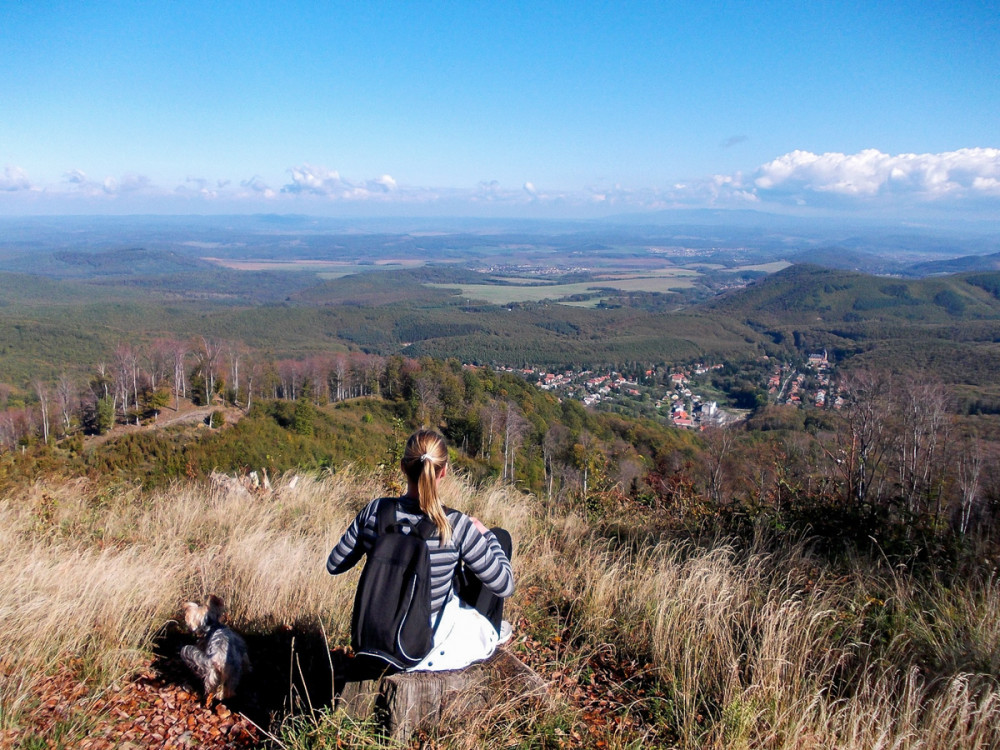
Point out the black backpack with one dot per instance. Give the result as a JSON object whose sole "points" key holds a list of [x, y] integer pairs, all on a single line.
{"points": [[392, 608]]}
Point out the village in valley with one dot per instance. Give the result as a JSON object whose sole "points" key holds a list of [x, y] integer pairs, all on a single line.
{"points": [[787, 385], [685, 396]]}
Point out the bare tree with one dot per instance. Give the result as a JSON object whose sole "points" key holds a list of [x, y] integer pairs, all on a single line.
{"points": [[427, 391], [970, 467], [253, 374], [234, 357], [582, 453], [124, 378], [159, 360], [16, 424], [66, 399], [866, 438], [178, 354], [718, 442], [554, 443], [372, 366], [42, 391], [490, 419], [207, 354], [7, 439], [630, 471], [101, 384], [515, 428], [359, 375], [317, 374], [921, 410], [290, 373], [339, 376]]}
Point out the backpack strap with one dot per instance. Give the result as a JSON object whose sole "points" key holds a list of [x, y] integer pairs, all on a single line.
{"points": [[385, 515], [386, 520]]}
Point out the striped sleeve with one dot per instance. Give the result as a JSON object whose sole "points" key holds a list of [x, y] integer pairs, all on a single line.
{"points": [[356, 541], [483, 555]]}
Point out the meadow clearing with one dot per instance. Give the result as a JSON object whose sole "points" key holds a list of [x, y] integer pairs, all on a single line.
{"points": [[662, 281]]}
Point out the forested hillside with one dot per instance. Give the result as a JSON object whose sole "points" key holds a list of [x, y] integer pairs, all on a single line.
{"points": [[896, 463], [945, 328]]}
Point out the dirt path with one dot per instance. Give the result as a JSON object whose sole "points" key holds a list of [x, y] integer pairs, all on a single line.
{"points": [[188, 413]]}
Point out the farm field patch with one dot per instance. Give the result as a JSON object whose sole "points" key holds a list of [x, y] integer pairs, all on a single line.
{"points": [[666, 281], [774, 267], [326, 269]]}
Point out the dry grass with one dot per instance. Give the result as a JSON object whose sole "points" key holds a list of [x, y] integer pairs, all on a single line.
{"points": [[748, 649]]}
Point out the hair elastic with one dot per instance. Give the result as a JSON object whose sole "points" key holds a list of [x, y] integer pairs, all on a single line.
{"points": [[427, 457]]}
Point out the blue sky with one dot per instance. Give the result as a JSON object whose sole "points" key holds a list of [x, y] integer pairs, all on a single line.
{"points": [[522, 109]]}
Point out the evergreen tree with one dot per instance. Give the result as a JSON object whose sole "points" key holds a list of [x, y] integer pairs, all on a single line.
{"points": [[303, 421]]}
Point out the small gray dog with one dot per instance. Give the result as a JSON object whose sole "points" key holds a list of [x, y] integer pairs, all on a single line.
{"points": [[220, 658]]}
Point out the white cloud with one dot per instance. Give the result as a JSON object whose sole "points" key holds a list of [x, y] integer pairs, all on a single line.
{"points": [[313, 180], [488, 191], [491, 191], [197, 187], [130, 183], [134, 183], [317, 181], [257, 187], [83, 185], [868, 180], [987, 185], [385, 184], [871, 173], [14, 179]]}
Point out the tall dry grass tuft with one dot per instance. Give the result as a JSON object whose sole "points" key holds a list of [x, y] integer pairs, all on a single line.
{"points": [[92, 573], [753, 649]]}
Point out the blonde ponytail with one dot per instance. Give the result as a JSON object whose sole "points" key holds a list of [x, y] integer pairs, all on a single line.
{"points": [[424, 459]]}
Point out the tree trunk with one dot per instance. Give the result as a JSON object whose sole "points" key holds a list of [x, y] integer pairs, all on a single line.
{"points": [[407, 702]]}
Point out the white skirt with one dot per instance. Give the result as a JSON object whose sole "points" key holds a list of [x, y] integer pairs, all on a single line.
{"points": [[463, 636]]}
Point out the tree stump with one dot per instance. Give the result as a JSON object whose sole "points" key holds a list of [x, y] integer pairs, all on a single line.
{"points": [[405, 702]]}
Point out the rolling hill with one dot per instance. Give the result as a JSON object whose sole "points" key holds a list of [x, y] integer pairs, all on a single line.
{"points": [[946, 328], [808, 295]]}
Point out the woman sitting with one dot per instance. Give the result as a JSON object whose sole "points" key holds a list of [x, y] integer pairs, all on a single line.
{"points": [[468, 622]]}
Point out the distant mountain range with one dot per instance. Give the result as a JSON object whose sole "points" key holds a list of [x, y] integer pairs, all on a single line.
{"points": [[731, 238], [130, 262], [989, 262]]}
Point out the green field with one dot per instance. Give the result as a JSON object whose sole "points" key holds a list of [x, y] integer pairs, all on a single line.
{"points": [[323, 269], [778, 265], [662, 281], [351, 270]]}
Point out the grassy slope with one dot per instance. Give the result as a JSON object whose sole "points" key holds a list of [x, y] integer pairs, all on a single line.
{"points": [[711, 647]]}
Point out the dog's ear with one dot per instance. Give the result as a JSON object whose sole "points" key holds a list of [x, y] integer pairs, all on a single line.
{"points": [[215, 606], [194, 613]]}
